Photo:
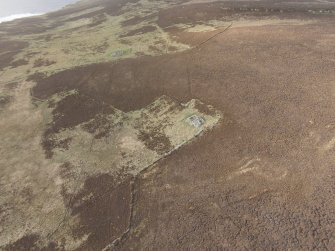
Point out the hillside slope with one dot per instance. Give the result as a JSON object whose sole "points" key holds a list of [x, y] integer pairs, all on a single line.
{"points": [[169, 125]]}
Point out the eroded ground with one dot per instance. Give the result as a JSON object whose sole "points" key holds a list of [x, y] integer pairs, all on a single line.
{"points": [[172, 125]]}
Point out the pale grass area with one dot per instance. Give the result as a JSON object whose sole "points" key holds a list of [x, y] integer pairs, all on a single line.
{"points": [[213, 25], [32, 185], [28, 180], [75, 44], [122, 150]]}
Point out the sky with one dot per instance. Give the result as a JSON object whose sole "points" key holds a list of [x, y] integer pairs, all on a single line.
{"points": [[26, 7]]}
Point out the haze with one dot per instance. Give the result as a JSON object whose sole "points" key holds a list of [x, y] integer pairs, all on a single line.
{"points": [[10, 7]]}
